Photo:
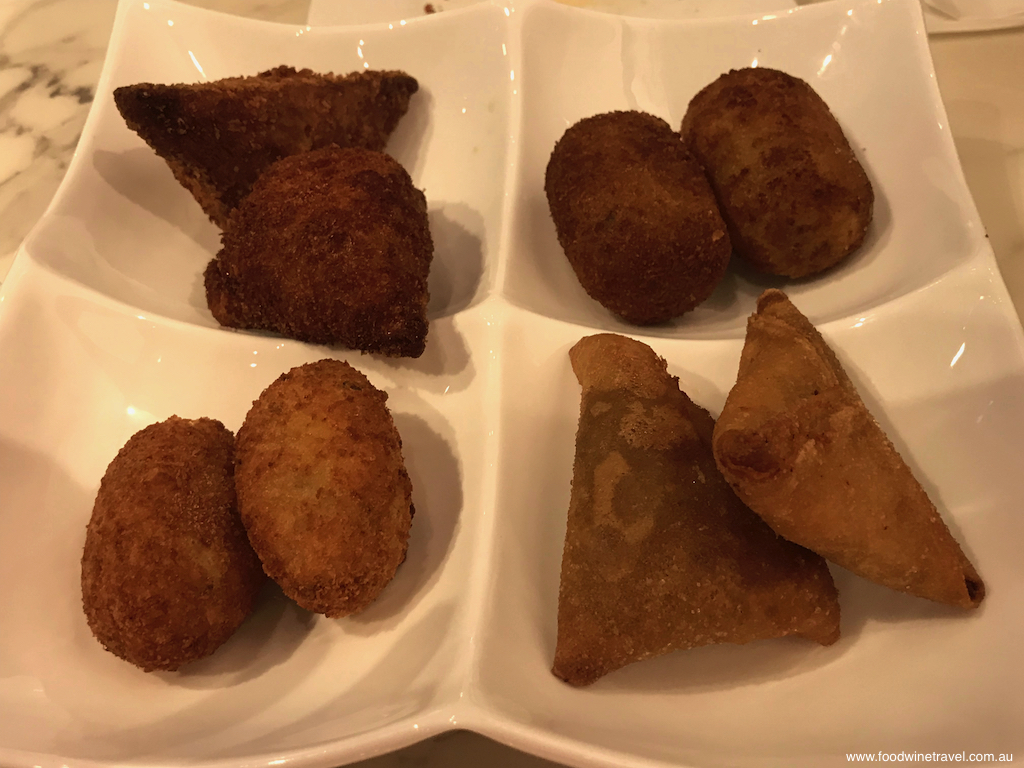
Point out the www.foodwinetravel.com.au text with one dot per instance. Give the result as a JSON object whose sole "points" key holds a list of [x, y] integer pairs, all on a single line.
{"points": [[929, 757]]}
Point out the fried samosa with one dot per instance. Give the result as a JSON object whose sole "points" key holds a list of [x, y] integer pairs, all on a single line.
{"points": [[799, 446], [218, 137], [659, 553]]}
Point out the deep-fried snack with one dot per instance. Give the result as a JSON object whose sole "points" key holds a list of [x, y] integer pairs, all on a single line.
{"points": [[635, 216], [659, 553], [795, 197], [333, 247], [218, 137], [798, 445], [322, 487], [167, 571]]}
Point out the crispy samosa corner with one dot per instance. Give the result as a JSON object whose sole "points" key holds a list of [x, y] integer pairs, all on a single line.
{"points": [[659, 553], [218, 137], [799, 446]]}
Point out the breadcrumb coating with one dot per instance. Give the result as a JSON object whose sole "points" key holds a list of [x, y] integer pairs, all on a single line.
{"points": [[168, 574], [218, 137], [333, 247], [796, 199], [636, 217], [322, 487]]}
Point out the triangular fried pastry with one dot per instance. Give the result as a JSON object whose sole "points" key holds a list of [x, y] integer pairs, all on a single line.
{"points": [[218, 137], [332, 246], [799, 446], [659, 553]]}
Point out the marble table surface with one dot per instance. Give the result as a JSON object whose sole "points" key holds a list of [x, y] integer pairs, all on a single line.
{"points": [[51, 53]]}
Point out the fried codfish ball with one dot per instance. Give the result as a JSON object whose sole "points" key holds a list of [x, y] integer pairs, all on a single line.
{"points": [[167, 572], [322, 487], [331, 247], [636, 217], [795, 197]]}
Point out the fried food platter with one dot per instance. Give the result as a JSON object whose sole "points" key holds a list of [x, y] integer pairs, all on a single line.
{"points": [[104, 329]]}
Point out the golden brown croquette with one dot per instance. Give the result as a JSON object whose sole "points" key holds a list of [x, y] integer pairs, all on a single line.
{"points": [[635, 216], [795, 197], [322, 487], [167, 571]]}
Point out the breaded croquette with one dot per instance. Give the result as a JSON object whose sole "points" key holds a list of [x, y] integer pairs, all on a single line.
{"points": [[660, 555], [218, 137], [167, 571], [636, 217], [322, 487], [795, 197], [799, 446], [332, 247]]}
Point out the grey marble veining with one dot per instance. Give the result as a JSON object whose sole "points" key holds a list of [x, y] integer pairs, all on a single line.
{"points": [[51, 54]]}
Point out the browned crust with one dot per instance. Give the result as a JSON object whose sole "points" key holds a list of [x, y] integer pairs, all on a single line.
{"points": [[322, 487], [799, 446], [218, 137], [333, 247], [660, 554], [790, 188], [635, 216], [167, 571]]}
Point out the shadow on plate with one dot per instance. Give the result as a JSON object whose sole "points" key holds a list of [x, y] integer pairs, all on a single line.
{"points": [[267, 638], [437, 495], [458, 265], [413, 133], [445, 365], [403, 682], [718, 667], [143, 178], [42, 533]]}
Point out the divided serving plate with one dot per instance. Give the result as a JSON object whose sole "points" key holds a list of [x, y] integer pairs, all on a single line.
{"points": [[104, 329]]}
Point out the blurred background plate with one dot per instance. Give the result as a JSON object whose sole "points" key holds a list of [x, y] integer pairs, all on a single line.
{"points": [[945, 16]]}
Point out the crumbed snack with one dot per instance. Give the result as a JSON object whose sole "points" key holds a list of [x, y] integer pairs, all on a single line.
{"points": [[218, 137], [659, 554], [636, 217], [322, 487], [333, 247], [167, 571], [790, 188], [799, 446]]}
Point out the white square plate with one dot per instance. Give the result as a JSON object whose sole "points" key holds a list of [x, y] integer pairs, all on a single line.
{"points": [[104, 329]]}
